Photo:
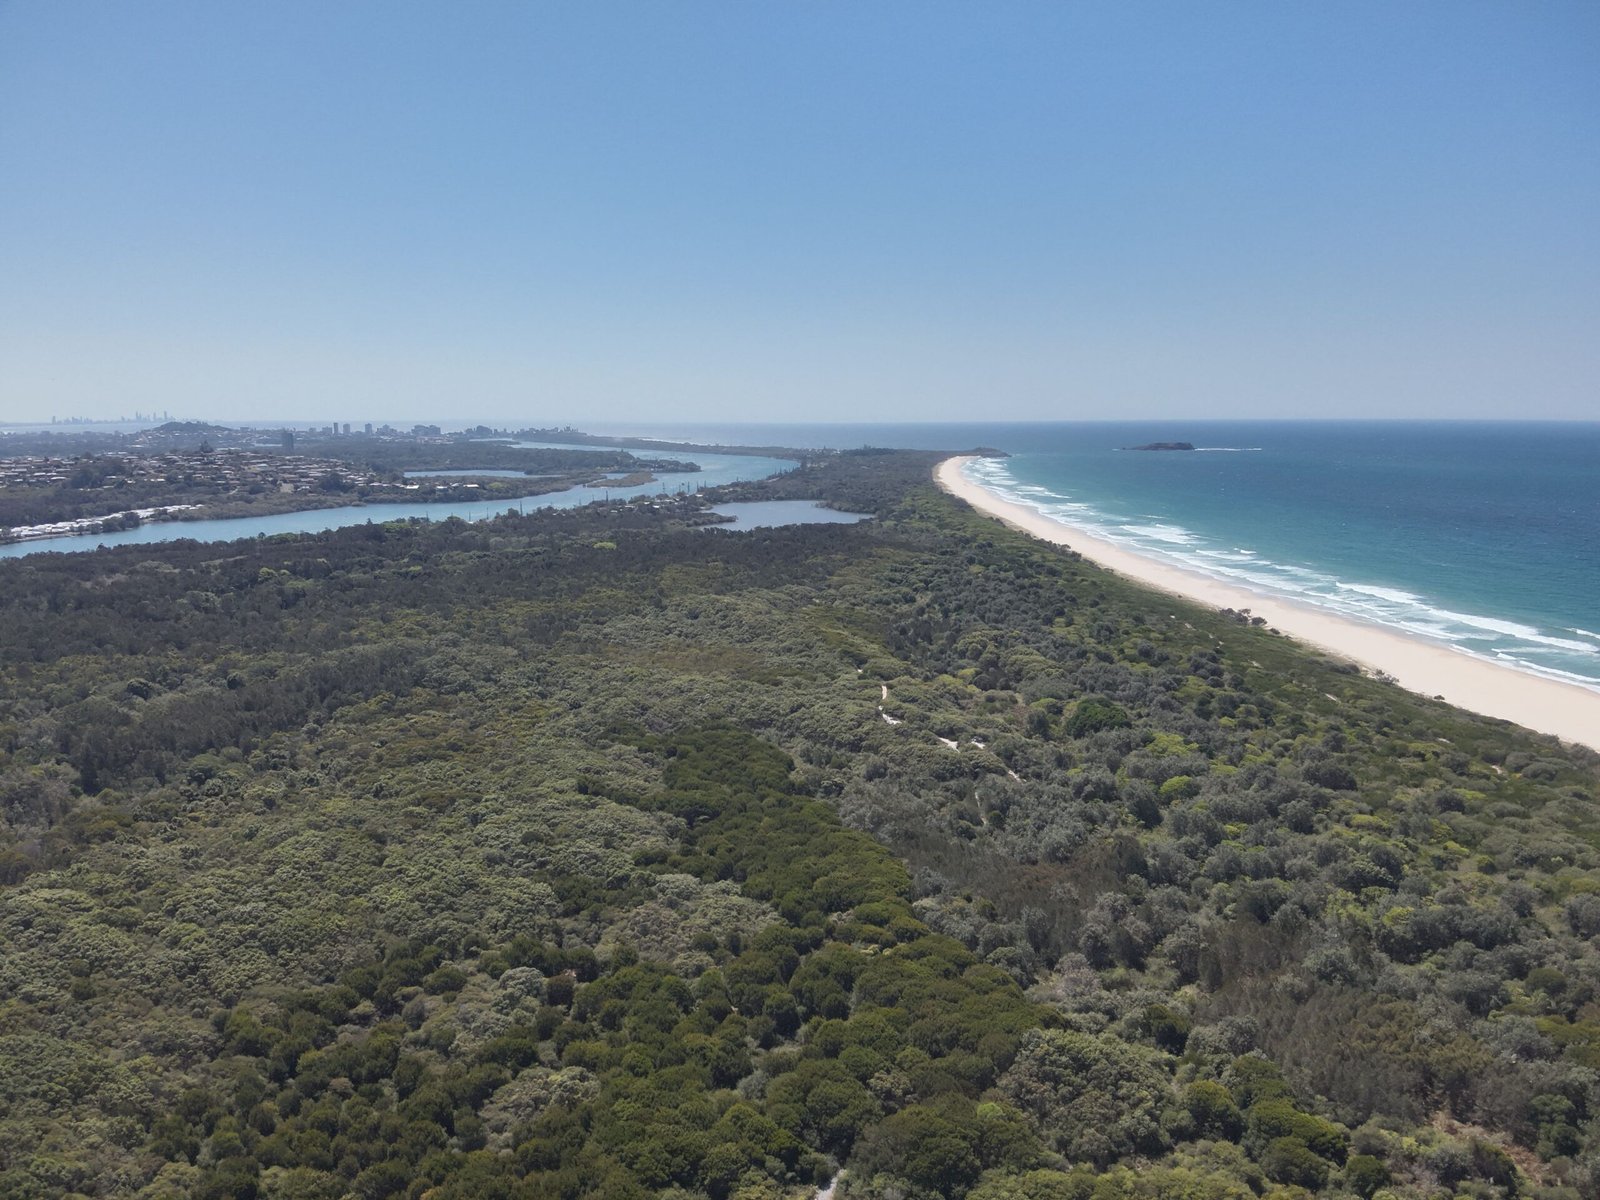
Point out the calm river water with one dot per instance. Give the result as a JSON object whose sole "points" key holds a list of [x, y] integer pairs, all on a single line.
{"points": [[714, 469]]}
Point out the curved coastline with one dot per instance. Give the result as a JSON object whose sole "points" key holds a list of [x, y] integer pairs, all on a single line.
{"points": [[1563, 710]]}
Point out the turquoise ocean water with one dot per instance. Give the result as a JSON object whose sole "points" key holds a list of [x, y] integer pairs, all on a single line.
{"points": [[1484, 536]]}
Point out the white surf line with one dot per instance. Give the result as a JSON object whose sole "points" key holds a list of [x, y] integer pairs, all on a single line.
{"points": [[1563, 710]]}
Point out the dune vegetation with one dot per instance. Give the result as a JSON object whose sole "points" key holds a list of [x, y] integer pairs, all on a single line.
{"points": [[596, 854]]}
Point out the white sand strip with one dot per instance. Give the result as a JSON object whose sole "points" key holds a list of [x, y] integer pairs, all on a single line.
{"points": [[1569, 712]]}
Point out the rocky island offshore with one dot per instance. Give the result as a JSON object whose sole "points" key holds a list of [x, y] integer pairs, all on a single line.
{"points": [[1162, 446]]}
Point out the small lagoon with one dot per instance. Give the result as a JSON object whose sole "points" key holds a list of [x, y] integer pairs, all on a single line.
{"points": [[773, 514]]}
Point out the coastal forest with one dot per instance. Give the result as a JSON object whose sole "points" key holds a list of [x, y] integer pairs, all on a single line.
{"points": [[604, 854]]}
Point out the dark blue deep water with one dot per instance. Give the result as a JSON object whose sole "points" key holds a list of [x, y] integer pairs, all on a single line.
{"points": [[1483, 535]]}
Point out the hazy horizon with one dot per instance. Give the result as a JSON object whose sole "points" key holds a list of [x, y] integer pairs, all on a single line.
{"points": [[724, 214]]}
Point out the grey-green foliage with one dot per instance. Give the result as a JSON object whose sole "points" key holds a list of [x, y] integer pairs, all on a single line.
{"points": [[1098, 1098]]}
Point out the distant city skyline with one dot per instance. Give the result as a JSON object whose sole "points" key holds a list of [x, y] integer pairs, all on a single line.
{"points": [[831, 212]]}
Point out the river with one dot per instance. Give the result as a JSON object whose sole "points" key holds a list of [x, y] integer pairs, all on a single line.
{"points": [[715, 469]]}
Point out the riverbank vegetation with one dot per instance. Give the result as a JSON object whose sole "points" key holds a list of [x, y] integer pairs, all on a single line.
{"points": [[460, 453], [594, 854], [104, 492]]}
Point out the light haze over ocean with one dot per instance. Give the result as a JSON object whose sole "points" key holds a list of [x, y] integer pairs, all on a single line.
{"points": [[1481, 535], [650, 214]]}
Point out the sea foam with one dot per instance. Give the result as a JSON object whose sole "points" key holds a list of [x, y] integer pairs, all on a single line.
{"points": [[1512, 643]]}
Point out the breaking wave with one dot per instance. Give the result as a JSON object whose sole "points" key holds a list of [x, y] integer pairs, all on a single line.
{"points": [[1554, 654]]}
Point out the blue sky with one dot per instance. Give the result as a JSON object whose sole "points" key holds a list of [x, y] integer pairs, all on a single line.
{"points": [[835, 211]]}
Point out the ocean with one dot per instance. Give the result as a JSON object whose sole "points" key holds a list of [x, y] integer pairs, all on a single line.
{"points": [[1483, 536]]}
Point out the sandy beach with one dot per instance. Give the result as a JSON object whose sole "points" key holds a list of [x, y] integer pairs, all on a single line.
{"points": [[1569, 712]]}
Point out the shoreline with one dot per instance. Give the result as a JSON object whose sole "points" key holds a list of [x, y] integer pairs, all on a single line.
{"points": [[1548, 706]]}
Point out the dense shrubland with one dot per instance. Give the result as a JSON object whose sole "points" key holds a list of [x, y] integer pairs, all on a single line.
{"points": [[391, 456], [582, 855]]}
